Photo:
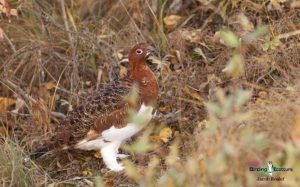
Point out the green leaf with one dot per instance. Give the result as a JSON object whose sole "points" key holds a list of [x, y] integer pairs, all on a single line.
{"points": [[235, 66], [142, 145], [270, 43], [99, 182], [132, 171], [242, 97], [229, 39], [275, 43], [261, 30], [223, 7], [266, 45]]}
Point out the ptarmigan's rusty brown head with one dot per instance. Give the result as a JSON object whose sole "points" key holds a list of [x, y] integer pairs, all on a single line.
{"points": [[140, 53]]}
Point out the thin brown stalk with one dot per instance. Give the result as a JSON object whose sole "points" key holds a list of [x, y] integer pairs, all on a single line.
{"points": [[9, 42], [289, 34], [27, 97], [64, 15], [74, 76], [18, 90]]}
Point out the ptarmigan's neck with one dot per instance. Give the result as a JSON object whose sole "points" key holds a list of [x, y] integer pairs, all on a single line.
{"points": [[147, 84]]}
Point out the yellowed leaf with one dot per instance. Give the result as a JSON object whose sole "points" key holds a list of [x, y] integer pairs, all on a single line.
{"points": [[165, 134], [192, 93], [6, 102], [155, 139], [123, 71], [87, 173], [172, 21], [165, 109], [19, 104], [120, 54], [97, 154], [263, 94], [14, 12], [49, 85], [70, 16]]}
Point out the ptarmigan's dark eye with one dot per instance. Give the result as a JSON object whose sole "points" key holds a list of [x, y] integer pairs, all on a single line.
{"points": [[139, 51]]}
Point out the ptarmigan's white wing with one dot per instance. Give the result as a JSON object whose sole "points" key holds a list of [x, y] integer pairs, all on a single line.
{"points": [[120, 134]]}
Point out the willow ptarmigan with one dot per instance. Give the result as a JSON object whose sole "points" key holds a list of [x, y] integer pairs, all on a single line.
{"points": [[102, 122]]}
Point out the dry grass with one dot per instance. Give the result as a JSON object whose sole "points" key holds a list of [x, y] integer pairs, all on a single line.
{"points": [[51, 58]]}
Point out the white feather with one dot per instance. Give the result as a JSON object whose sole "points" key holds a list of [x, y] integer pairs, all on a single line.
{"points": [[111, 139], [131, 129], [109, 154], [95, 144]]}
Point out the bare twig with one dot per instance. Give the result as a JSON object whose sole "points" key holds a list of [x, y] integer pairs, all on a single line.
{"points": [[13, 167], [64, 15], [131, 19], [75, 76], [18, 91], [159, 26], [11, 58], [289, 34], [27, 97], [9, 42], [90, 36], [58, 114]]}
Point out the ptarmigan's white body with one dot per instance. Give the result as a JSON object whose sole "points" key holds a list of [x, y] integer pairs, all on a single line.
{"points": [[111, 139]]}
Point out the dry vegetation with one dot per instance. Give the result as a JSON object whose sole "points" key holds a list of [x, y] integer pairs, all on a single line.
{"points": [[229, 88]]}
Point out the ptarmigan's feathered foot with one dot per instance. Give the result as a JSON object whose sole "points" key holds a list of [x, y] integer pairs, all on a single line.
{"points": [[109, 154]]}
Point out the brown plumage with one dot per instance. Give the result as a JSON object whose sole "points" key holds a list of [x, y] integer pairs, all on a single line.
{"points": [[99, 121]]}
